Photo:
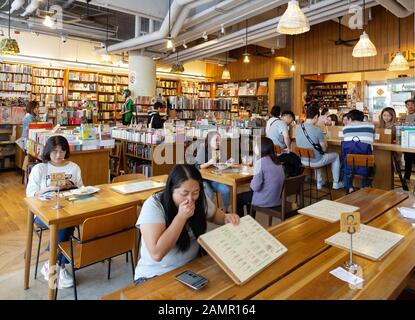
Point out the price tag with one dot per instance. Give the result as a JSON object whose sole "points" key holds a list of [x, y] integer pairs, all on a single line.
{"points": [[57, 179], [388, 132], [350, 222], [341, 134], [377, 136]]}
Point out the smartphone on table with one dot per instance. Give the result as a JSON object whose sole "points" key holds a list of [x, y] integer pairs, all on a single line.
{"points": [[192, 279]]}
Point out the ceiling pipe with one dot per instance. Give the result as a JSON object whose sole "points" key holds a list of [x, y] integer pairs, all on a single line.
{"points": [[408, 4], [396, 8], [176, 8], [239, 14], [261, 32]]}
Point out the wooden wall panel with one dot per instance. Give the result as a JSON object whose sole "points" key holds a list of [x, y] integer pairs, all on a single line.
{"points": [[315, 53]]}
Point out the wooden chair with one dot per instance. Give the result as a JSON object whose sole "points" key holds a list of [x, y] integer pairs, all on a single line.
{"points": [[309, 154], [129, 177], [361, 160], [292, 186], [102, 237]]}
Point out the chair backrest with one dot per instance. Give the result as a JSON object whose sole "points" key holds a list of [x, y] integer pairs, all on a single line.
{"points": [[363, 160], [305, 153], [108, 235], [129, 177], [292, 186]]}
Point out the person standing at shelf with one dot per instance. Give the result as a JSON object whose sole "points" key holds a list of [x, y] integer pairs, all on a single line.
{"points": [[154, 119], [127, 108], [32, 115], [409, 157]]}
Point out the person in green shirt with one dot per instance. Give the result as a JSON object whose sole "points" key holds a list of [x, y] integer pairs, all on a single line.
{"points": [[127, 108]]}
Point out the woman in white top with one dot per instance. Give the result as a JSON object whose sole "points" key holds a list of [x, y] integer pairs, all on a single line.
{"points": [[54, 156], [170, 222]]}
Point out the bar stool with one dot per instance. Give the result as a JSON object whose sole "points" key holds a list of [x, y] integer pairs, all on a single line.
{"points": [[366, 161], [309, 154]]}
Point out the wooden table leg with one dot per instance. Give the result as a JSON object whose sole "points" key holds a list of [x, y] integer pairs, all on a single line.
{"points": [[234, 197], [52, 260], [28, 253]]}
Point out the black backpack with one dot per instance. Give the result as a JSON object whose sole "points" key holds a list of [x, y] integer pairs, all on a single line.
{"points": [[291, 163]]}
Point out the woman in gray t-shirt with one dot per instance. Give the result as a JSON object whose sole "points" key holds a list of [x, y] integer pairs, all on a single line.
{"points": [[171, 221]]}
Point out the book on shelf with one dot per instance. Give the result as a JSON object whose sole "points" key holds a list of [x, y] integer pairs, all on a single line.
{"points": [[242, 250], [5, 115]]}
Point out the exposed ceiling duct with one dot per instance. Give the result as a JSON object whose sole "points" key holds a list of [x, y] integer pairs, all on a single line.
{"points": [[400, 8], [177, 16], [322, 11]]}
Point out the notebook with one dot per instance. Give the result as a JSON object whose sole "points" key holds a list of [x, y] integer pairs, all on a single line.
{"points": [[138, 186], [244, 250], [327, 210]]}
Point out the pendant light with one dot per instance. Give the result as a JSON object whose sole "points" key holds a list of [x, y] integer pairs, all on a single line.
{"points": [[293, 21], [399, 63], [169, 39], [365, 47], [292, 68], [9, 45], [106, 57], [177, 67], [226, 75], [246, 54], [48, 20]]}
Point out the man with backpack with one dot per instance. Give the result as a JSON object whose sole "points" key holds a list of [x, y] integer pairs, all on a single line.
{"points": [[309, 136], [358, 137]]}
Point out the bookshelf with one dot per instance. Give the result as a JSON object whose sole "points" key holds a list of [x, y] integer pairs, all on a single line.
{"points": [[82, 85], [7, 146], [167, 88], [49, 90], [331, 95], [15, 80]]}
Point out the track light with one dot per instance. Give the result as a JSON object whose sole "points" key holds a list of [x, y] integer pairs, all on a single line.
{"points": [[222, 29], [47, 22], [205, 36], [64, 39], [184, 44], [292, 68], [246, 57], [272, 50], [173, 49]]}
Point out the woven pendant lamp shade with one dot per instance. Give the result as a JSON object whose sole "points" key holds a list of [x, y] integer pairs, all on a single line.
{"points": [[293, 21], [364, 48], [399, 63]]}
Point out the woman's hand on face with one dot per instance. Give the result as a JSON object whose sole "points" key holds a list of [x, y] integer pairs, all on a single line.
{"points": [[231, 218], [186, 209]]}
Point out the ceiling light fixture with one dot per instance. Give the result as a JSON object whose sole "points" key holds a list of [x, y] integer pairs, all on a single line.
{"points": [[205, 36], [184, 44], [293, 21], [365, 47], [226, 75], [169, 44], [47, 22], [32, 7], [106, 57], [9, 46], [399, 63], [177, 67], [222, 29], [292, 68], [246, 54]]}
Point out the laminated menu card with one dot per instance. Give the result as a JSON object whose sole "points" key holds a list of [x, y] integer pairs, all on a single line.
{"points": [[242, 250], [371, 243], [327, 210]]}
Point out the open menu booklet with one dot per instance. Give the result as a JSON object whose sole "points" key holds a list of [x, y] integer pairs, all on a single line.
{"points": [[244, 250]]}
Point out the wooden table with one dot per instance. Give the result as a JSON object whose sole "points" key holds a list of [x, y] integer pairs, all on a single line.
{"points": [[230, 179], [384, 279], [73, 214], [302, 235]]}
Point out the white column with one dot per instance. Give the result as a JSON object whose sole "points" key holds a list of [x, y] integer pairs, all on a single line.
{"points": [[142, 75]]}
